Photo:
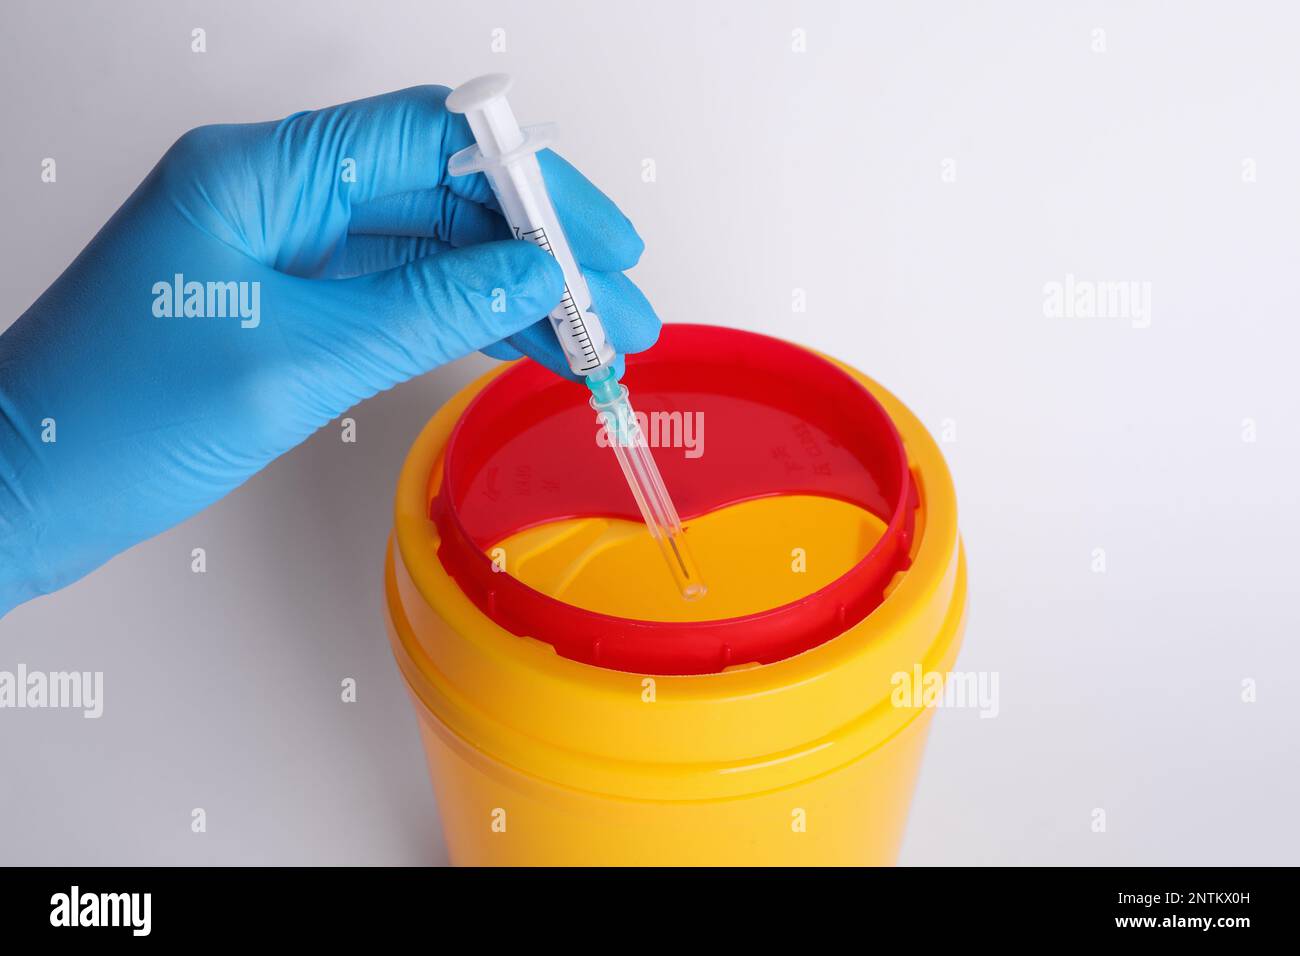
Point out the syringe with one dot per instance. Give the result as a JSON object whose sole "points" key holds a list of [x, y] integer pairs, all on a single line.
{"points": [[506, 155]]}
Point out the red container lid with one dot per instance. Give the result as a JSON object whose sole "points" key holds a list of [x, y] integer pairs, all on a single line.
{"points": [[780, 421]]}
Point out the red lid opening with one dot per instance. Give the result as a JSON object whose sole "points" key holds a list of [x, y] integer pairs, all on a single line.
{"points": [[780, 421]]}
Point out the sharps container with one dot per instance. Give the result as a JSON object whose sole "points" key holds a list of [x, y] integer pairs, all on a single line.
{"points": [[576, 710]]}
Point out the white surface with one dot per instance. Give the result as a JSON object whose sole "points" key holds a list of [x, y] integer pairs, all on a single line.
{"points": [[1119, 690]]}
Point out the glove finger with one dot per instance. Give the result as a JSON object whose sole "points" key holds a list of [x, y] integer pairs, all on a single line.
{"points": [[363, 254], [400, 143], [629, 321], [396, 142], [437, 213], [390, 326], [601, 237], [502, 351]]}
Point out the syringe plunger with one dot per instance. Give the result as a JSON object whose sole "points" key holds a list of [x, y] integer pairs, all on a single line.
{"points": [[483, 101]]}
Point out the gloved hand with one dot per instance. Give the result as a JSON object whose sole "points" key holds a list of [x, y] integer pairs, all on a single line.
{"points": [[334, 258]]}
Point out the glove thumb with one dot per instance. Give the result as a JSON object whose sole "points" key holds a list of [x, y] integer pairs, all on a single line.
{"points": [[399, 323]]}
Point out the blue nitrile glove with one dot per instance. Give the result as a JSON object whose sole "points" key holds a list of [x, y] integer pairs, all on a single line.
{"points": [[346, 260]]}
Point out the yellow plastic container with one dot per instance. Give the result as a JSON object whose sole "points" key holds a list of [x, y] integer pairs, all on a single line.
{"points": [[541, 759]]}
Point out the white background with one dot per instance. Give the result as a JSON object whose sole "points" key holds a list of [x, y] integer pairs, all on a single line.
{"points": [[776, 170]]}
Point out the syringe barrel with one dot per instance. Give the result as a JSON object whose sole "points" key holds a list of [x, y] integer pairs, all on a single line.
{"points": [[526, 204], [506, 155]]}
